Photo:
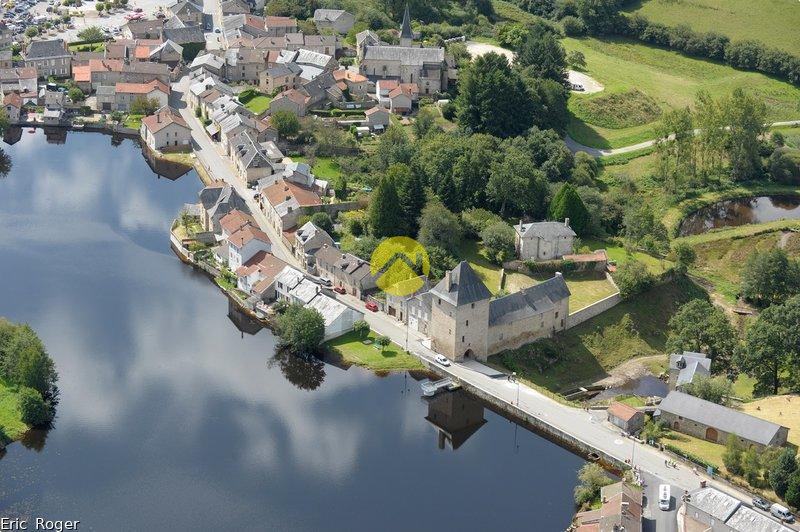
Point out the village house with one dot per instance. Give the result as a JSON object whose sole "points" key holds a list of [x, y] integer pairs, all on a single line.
{"points": [[189, 35], [20, 80], [12, 103], [684, 367], [352, 82], [466, 323], [187, 12], [398, 306], [250, 159], [337, 317], [169, 53], [344, 270], [402, 98], [218, 199], [377, 118], [279, 26], [709, 509], [284, 202], [245, 243], [311, 63], [6, 35], [620, 510], [322, 44], [703, 419], [233, 221], [543, 240], [49, 58], [232, 124], [625, 417], [293, 100], [113, 71], [336, 20], [281, 77], [126, 93], [286, 281], [166, 130], [143, 29], [228, 8], [257, 275], [207, 64], [6, 59], [307, 240], [244, 64]]}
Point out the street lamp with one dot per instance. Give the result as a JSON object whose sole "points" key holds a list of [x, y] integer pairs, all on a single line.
{"points": [[514, 376]]}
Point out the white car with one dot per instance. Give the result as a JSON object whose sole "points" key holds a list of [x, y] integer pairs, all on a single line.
{"points": [[664, 497], [443, 360]]}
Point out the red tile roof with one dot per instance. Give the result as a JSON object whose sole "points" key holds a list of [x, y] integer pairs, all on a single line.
{"points": [[622, 411], [235, 220], [280, 191], [142, 88], [164, 117], [12, 98], [82, 73], [246, 234]]}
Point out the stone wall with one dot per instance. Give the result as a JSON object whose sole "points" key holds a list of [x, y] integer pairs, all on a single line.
{"points": [[596, 308]]}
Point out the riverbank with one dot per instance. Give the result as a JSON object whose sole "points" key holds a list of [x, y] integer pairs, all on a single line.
{"points": [[11, 425], [351, 348]]}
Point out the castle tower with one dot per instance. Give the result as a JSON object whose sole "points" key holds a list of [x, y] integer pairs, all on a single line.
{"points": [[406, 35], [459, 323]]}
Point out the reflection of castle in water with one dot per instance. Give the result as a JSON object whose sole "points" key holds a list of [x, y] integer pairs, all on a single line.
{"points": [[456, 416], [55, 135]]}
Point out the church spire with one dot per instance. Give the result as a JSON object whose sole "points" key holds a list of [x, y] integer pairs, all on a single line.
{"points": [[406, 35]]}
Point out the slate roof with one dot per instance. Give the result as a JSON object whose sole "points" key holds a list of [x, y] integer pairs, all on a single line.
{"points": [[189, 34], [328, 15], [330, 309], [544, 230], [289, 277], [528, 302], [406, 55], [691, 370], [748, 520], [687, 356], [720, 417], [405, 29], [249, 152], [465, 286], [42, 49], [284, 70], [715, 503], [305, 57]]}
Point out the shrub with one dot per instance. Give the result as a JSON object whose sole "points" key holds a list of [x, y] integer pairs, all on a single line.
{"points": [[498, 239], [732, 457], [633, 278], [361, 328], [476, 220], [34, 410], [573, 26]]}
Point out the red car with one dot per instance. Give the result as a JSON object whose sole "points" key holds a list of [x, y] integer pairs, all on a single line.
{"points": [[339, 290], [371, 305]]}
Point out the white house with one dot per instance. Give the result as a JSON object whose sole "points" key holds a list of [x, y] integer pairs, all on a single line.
{"points": [[339, 318], [166, 130], [245, 243], [543, 240]]}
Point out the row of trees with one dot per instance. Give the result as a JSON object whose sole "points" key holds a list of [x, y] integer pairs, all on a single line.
{"points": [[24, 362]]}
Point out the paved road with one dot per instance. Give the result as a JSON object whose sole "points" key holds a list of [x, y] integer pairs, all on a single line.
{"points": [[656, 519], [221, 167]]}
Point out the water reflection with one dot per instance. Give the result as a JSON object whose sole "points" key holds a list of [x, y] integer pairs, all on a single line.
{"points": [[456, 416], [245, 323], [305, 372], [741, 211]]}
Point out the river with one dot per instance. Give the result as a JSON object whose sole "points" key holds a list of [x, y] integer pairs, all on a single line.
{"points": [[741, 211], [174, 416]]}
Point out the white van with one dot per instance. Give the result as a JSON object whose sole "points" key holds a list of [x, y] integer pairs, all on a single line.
{"points": [[664, 497], [782, 513]]}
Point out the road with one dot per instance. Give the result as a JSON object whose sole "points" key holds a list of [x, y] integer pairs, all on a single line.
{"points": [[656, 519], [221, 167]]}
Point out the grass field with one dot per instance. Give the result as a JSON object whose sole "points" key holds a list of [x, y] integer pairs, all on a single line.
{"points": [[668, 78], [585, 353], [11, 425], [255, 101], [585, 287], [133, 121], [352, 349], [773, 22], [781, 409], [620, 255], [324, 167]]}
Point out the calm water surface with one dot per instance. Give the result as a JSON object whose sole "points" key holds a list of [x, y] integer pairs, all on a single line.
{"points": [[741, 211], [173, 416]]}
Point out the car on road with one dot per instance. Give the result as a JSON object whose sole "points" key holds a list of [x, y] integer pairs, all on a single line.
{"points": [[763, 504], [441, 359], [320, 280], [339, 290], [664, 497], [782, 513], [372, 306]]}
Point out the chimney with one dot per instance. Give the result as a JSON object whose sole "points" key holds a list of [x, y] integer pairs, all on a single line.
{"points": [[520, 225], [158, 117], [566, 222], [447, 279]]}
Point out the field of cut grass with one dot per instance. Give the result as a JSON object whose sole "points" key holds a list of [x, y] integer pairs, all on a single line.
{"points": [[586, 353], [773, 22], [353, 350], [781, 409], [255, 101], [620, 255], [670, 79], [324, 167], [11, 425]]}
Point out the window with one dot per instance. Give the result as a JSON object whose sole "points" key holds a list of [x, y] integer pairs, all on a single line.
{"points": [[473, 305], [462, 339], [467, 324], [556, 314]]}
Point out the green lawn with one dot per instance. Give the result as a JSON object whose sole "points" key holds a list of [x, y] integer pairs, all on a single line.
{"points": [[324, 167], [352, 349], [508, 11], [618, 254], [585, 287], [89, 47], [668, 78], [773, 22], [255, 101], [133, 121], [586, 352], [11, 425]]}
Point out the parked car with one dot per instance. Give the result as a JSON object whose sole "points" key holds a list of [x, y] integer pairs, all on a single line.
{"points": [[763, 504], [443, 360], [320, 280], [371, 306], [339, 290], [782, 513], [664, 497]]}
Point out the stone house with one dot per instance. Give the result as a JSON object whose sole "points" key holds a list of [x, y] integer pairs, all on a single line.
{"points": [[543, 240], [244, 65], [208, 64], [279, 26], [466, 323], [251, 162], [218, 199], [280, 77], [143, 29], [292, 100], [684, 367], [344, 270], [336, 20], [284, 202], [625, 417], [621, 510], [355, 83], [126, 93], [398, 306], [166, 130], [377, 117], [187, 12], [401, 98], [12, 103], [20, 80], [6, 35], [169, 53], [49, 58], [6, 59], [703, 419], [307, 240]]}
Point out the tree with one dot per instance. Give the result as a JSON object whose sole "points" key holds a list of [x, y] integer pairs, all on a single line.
{"points": [[751, 467], [770, 277], [393, 147], [699, 326], [542, 54], [31, 31], [439, 227], [33, 408], [600, 16], [339, 185], [425, 121], [75, 95], [100, 6], [576, 60], [285, 123], [573, 26], [361, 328], [91, 34], [746, 118], [142, 105], [516, 185], [411, 194], [716, 389], [441, 261], [511, 35], [498, 239], [675, 148], [301, 329], [633, 278], [385, 214], [567, 204], [684, 256], [363, 247], [793, 490], [784, 166], [323, 221], [585, 169], [782, 471], [493, 98], [384, 342], [732, 456], [448, 194], [592, 477], [642, 228]]}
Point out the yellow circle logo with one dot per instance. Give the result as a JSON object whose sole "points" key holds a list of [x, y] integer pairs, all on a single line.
{"points": [[398, 264]]}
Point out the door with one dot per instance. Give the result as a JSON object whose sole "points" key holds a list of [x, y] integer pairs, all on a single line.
{"points": [[711, 434]]}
